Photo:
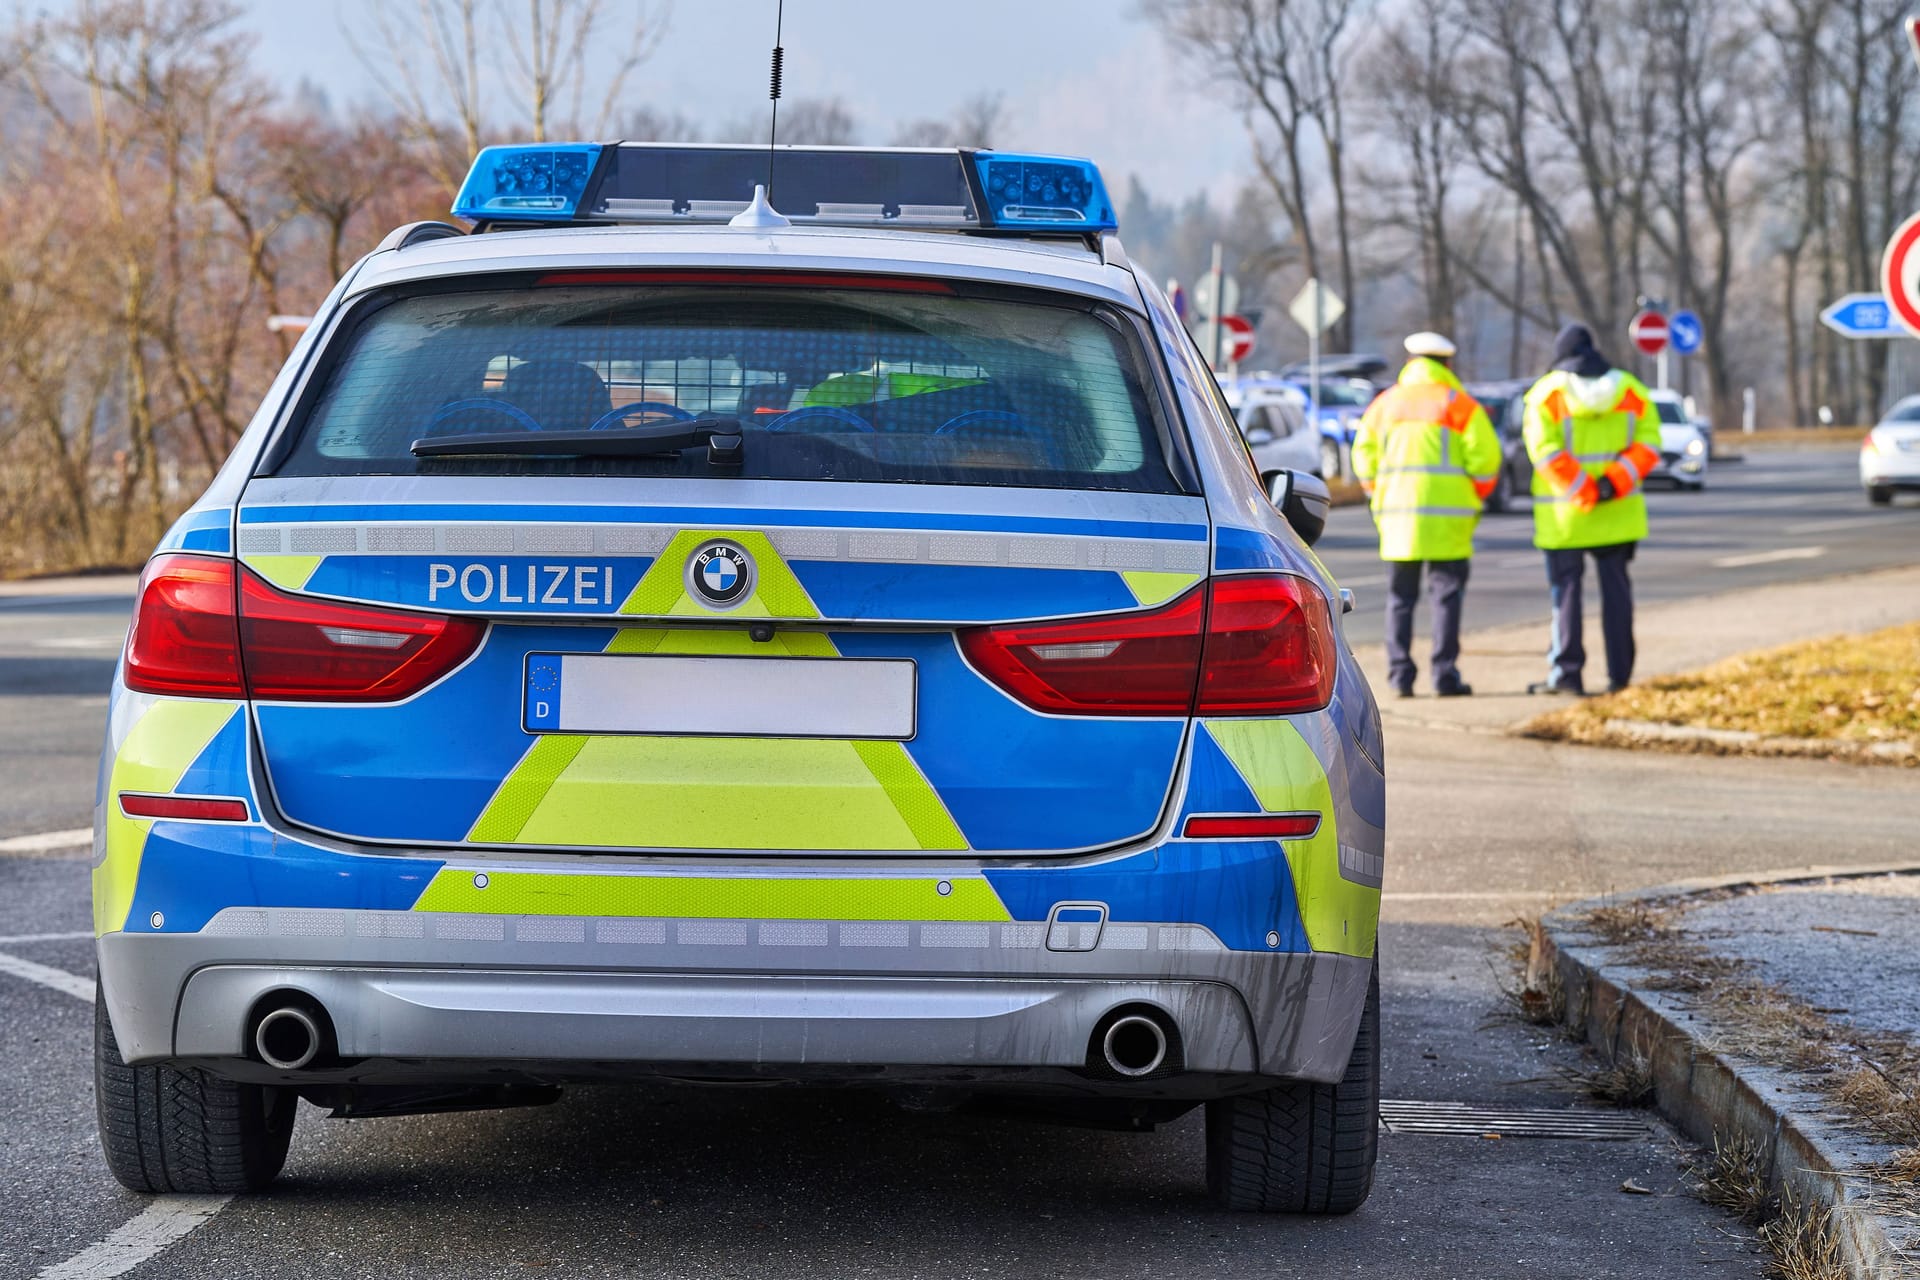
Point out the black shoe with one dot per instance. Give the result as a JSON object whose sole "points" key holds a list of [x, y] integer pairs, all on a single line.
{"points": [[1403, 691], [1554, 687], [1616, 686], [1458, 689]]}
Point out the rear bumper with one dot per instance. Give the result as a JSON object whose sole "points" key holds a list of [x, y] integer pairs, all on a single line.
{"points": [[547, 995]]}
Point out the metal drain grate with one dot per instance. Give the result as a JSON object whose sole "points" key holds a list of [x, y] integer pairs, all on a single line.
{"points": [[1511, 1122]]}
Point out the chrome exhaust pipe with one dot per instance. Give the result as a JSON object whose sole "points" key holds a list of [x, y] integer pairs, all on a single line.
{"points": [[287, 1038], [1135, 1046]]}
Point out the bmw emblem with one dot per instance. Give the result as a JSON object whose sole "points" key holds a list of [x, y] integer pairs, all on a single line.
{"points": [[720, 575]]}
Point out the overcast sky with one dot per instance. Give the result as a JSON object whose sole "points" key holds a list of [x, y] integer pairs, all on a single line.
{"points": [[1078, 76]]}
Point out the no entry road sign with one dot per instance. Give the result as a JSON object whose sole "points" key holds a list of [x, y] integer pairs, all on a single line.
{"points": [[1236, 338], [1649, 332]]}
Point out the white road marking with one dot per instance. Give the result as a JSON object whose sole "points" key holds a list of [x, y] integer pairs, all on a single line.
{"points": [[59, 979], [43, 841], [165, 1220], [1824, 526], [1769, 557], [46, 937], [1499, 896]]}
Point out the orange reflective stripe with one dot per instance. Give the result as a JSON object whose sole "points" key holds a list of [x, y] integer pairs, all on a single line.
{"points": [[1624, 478], [1458, 415], [1555, 406], [1630, 403], [1640, 458], [1486, 487], [1562, 472], [1587, 496]]}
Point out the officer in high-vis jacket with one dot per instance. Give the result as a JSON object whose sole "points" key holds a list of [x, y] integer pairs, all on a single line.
{"points": [[1427, 456], [1594, 436]]}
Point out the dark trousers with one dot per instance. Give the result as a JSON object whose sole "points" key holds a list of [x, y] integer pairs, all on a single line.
{"points": [[1565, 573], [1446, 593]]}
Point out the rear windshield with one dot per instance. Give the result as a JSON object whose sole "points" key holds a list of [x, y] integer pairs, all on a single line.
{"points": [[1670, 413], [909, 384]]}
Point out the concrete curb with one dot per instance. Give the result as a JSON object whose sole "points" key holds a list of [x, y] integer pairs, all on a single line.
{"points": [[1707, 1094]]}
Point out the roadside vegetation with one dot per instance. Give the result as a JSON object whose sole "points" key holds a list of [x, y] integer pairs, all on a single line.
{"points": [[1845, 697]]}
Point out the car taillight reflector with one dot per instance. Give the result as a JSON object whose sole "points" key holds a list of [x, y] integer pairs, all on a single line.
{"points": [[205, 628], [298, 649], [206, 808], [183, 639], [1253, 644], [1251, 826]]}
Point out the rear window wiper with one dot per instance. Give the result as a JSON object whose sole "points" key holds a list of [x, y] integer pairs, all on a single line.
{"points": [[721, 436]]}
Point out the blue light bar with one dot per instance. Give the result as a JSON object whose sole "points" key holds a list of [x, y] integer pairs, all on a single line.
{"points": [[1053, 192], [542, 181], [943, 189]]}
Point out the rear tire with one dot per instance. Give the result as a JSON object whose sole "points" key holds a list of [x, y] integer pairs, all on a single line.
{"points": [[168, 1129], [1302, 1147], [1879, 495], [1330, 459]]}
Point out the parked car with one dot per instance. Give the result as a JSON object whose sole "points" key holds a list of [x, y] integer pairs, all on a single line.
{"points": [[1684, 448], [1365, 368], [1890, 455], [1273, 421], [832, 650], [1503, 402]]}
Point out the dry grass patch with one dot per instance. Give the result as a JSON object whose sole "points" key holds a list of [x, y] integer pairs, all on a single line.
{"points": [[1627, 1081], [1803, 1242], [1734, 1178], [1857, 695], [1790, 438], [1533, 994]]}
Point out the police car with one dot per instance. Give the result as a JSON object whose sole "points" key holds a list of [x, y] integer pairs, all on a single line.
{"points": [[839, 640]]}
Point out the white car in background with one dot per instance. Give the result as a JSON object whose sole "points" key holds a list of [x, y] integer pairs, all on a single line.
{"points": [[1273, 420], [1890, 455], [1683, 446]]}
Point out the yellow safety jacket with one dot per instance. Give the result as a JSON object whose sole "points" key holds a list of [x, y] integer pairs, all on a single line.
{"points": [[1428, 456], [1577, 430]]}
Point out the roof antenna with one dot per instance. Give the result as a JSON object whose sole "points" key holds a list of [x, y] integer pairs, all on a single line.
{"points": [[760, 212], [779, 56]]}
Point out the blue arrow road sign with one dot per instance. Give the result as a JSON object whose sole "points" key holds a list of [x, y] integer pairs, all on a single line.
{"points": [[1862, 315], [1684, 332]]}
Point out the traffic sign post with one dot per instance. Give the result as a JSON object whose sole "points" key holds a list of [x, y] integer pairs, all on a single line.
{"points": [[1862, 315], [1315, 308], [1900, 275], [1649, 333]]}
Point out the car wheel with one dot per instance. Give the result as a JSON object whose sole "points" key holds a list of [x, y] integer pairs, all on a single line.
{"points": [[168, 1129], [1879, 495], [1302, 1147], [1330, 459]]}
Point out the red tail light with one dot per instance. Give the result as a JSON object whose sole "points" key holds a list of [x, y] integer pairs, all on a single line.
{"points": [[1255, 826], [189, 638], [183, 639], [1258, 644], [207, 808]]}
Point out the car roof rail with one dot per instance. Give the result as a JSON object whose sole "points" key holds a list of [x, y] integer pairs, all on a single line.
{"points": [[412, 233]]}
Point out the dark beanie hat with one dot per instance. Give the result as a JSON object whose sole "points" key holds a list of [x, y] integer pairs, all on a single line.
{"points": [[1574, 352]]}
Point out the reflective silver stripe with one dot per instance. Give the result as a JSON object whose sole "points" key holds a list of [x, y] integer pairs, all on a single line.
{"points": [[1428, 511], [1418, 471], [1595, 457], [1446, 442]]}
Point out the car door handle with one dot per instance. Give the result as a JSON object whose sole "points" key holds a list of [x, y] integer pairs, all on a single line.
{"points": [[1346, 600]]}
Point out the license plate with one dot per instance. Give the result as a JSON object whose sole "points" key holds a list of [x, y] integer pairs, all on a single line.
{"points": [[602, 693]]}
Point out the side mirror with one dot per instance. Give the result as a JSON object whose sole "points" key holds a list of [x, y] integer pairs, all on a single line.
{"points": [[1303, 499]]}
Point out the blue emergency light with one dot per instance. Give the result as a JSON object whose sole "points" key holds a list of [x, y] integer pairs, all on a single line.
{"points": [[631, 182]]}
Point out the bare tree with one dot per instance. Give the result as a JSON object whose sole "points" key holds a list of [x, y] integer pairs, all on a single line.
{"points": [[1285, 61]]}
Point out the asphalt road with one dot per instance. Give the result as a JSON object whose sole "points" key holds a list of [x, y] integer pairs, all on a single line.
{"points": [[659, 1180], [1775, 517]]}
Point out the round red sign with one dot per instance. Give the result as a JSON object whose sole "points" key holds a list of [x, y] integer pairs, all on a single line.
{"points": [[1236, 333], [1649, 332], [1900, 274]]}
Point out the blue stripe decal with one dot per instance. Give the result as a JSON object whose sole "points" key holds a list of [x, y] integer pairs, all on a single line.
{"points": [[1240, 549], [209, 530], [1013, 779], [722, 518], [1213, 784], [190, 871], [1242, 890], [418, 770], [221, 767], [958, 593]]}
